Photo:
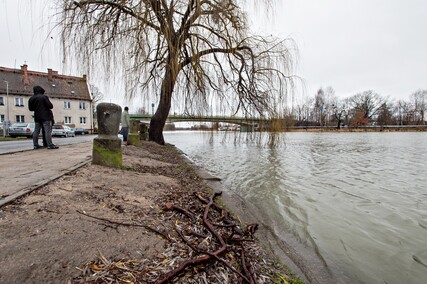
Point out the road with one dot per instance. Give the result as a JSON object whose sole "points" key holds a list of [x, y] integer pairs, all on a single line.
{"points": [[19, 145]]}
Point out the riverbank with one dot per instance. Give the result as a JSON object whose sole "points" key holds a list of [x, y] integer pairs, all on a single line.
{"points": [[136, 224]]}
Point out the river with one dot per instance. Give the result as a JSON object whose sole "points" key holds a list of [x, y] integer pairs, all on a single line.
{"points": [[358, 199]]}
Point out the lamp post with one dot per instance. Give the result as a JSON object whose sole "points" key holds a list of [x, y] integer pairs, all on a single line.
{"points": [[6, 122]]}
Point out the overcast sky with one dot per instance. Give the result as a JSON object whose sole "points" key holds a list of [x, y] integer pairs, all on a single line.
{"points": [[350, 45], [358, 45]]}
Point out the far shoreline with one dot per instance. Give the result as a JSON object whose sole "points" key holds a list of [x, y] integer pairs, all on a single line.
{"points": [[369, 128], [385, 128]]}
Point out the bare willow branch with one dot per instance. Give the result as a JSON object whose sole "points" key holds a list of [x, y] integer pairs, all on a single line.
{"points": [[187, 52]]}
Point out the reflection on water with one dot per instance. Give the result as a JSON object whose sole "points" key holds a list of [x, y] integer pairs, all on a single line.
{"points": [[360, 199]]}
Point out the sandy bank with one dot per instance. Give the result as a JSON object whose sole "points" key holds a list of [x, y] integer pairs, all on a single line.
{"points": [[98, 224]]}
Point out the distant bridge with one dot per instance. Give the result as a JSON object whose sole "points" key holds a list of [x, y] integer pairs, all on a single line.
{"points": [[226, 119]]}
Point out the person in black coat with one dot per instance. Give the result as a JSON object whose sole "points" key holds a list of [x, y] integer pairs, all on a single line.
{"points": [[43, 117]]}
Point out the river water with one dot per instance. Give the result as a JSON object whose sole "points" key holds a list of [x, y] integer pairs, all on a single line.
{"points": [[358, 199]]}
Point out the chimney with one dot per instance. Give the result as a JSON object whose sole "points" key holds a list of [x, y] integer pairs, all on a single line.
{"points": [[26, 80], [49, 74], [24, 68], [84, 77]]}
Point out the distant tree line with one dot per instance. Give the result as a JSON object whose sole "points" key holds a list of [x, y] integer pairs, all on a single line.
{"points": [[362, 109]]}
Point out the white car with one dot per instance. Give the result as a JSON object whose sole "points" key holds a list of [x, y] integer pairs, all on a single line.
{"points": [[62, 131]]}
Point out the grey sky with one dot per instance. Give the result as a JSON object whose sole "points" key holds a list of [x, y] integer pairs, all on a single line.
{"points": [[349, 45], [358, 45]]}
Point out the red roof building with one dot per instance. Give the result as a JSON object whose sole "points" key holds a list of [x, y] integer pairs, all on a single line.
{"points": [[69, 95]]}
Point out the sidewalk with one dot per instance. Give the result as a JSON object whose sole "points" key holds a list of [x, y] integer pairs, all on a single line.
{"points": [[22, 172]]}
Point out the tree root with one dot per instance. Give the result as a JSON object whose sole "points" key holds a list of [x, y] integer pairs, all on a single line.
{"points": [[170, 206], [222, 247], [163, 235]]}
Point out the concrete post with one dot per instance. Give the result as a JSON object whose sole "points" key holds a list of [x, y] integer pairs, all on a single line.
{"points": [[133, 137], [143, 132], [107, 149]]}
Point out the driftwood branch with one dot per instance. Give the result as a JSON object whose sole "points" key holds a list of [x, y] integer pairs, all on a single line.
{"points": [[126, 224]]}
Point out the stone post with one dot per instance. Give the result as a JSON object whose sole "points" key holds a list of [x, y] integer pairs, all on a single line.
{"points": [[143, 132], [133, 137], [107, 147]]}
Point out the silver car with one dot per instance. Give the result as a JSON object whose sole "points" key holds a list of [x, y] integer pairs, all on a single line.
{"points": [[21, 129], [62, 131]]}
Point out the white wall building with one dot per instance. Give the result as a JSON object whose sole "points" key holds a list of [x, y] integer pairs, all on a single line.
{"points": [[70, 96]]}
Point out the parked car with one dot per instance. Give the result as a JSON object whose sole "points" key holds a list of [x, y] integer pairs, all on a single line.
{"points": [[80, 131], [62, 131], [21, 129]]}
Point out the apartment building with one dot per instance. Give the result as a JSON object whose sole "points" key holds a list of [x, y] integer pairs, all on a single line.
{"points": [[70, 96]]}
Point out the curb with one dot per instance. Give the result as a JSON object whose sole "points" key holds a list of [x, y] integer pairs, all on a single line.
{"points": [[30, 149]]}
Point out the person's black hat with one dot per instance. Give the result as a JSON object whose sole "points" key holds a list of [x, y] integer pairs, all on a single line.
{"points": [[38, 90]]}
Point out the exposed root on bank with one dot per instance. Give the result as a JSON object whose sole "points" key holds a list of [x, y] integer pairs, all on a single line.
{"points": [[204, 243], [166, 237], [204, 246]]}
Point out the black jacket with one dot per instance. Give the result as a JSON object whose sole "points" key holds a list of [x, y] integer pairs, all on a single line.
{"points": [[41, 106]]}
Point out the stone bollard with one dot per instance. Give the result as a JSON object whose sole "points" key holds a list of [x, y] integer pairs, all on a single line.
{"points": [[107, 147], [143, 132], [133, 137]]}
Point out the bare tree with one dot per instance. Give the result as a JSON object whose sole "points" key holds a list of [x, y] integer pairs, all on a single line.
{"points": [[329, 101], [191, 49], [339, 111], [96, 94], [366, 104], [300, 113], [142, 111], [385, 115], [319, 105], [398, 112], [97, 97], [419, 101]]}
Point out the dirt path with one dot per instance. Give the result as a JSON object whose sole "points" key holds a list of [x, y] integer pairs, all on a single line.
{"points": [[99, 224]]}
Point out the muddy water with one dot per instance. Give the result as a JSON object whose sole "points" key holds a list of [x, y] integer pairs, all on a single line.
{"points": [[359, 200]]}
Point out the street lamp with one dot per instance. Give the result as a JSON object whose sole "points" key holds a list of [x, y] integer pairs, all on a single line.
{"points": [[6, 123]]}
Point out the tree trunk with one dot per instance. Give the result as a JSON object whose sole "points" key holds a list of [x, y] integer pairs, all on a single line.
{"points": [[159, 119], [338, 118]]}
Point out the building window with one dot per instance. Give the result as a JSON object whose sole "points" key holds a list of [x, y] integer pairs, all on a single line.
{"points": [[67, 120], [19, 102], [82, 105], [20, 118], [82, 120], [1, 118], [67, 105], [1, 101]]}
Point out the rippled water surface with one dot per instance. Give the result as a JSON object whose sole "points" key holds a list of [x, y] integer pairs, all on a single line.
{"points": [[359, 199]]}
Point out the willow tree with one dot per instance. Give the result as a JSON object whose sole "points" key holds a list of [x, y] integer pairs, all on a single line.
{"points": [[191, 49]]}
